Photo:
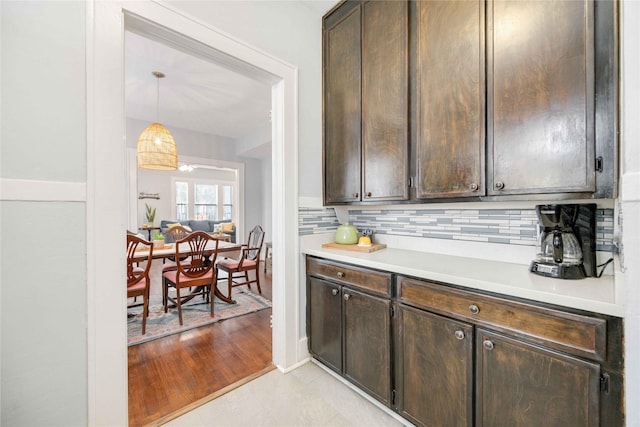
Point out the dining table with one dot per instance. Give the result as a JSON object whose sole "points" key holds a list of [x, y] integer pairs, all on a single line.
{"points": [[168, 250]]}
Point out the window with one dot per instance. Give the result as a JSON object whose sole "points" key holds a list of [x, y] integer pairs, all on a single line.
{"points": [[206, 202], [182, 201], [203, 200], [227, 202]]}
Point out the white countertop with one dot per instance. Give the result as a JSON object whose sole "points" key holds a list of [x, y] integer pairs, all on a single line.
{"points": [[591, 294]]}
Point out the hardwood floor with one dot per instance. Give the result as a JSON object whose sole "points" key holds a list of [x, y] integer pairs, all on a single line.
{"points": [[171, 373]]}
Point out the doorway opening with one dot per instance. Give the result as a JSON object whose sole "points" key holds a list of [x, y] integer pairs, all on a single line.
{"points": [[176, 41], [106, 203]]}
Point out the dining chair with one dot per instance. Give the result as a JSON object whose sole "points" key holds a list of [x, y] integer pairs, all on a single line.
{"points": [[196, 272], [249, 261], [138, 281], [172, 235]]}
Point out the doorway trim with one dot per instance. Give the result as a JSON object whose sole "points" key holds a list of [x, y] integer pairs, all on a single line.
{"points": [[106, 189]]}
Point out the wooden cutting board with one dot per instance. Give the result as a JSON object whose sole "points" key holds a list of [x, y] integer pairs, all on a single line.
{"points": [[356, 248]]}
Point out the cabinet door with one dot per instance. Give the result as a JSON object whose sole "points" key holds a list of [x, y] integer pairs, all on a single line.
{"points": [[435, 371], [342, 108], [367, 343], [540, 97], [385, 100], [450, 99], [524, 385], [324, 314]]}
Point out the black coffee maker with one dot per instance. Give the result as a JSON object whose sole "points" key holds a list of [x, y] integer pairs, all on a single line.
{"points": [[566, 241]]}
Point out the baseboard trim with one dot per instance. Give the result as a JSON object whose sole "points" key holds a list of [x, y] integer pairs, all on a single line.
{"points": [[295, 366]]}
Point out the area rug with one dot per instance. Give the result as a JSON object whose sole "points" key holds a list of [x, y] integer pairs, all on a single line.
{"points": [[195, 313]]}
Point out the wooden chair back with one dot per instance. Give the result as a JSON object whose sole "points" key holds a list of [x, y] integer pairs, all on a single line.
{"points": [[137, 244], [254, 243], [201, 254], [175, 233]]}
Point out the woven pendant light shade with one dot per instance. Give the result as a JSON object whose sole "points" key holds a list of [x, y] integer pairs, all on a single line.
{"points": [[157, 149]]}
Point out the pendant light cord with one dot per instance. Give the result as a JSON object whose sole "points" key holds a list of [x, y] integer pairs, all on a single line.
{"points": [[158, 99], [158, 75]]}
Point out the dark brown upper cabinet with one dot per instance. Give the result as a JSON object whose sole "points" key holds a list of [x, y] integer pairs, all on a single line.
{"points": [[450, 86], [505, 100], [365, 71], [540, 97]]}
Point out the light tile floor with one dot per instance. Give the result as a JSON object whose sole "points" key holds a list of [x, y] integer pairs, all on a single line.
{"points": [[306, 396]]}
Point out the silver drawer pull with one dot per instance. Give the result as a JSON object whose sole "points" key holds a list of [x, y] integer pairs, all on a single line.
{"points": [[340, 274], [334, 292], [346, 297], [459, 335], [488, 345], [474, 309]]}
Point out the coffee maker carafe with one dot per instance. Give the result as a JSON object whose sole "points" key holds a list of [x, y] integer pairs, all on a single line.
{"points": [[566, 241]]}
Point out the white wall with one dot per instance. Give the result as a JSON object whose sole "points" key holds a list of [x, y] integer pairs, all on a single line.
{"points": [[43, 291], [290, 31], [630, 201]]}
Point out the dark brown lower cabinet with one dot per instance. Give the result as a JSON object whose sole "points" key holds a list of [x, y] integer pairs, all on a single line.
{"points": [[442, 355], [435, 369], [367, 342], [350, 332], [516, 383], [325, 322], [535, 386]]}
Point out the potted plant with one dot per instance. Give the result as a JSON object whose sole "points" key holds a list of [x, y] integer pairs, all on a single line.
{"points": [[150, 215], [158, 239]]}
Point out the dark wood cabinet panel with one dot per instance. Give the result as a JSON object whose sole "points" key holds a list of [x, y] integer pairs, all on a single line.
{"points": [[535, 386], [435, 369], [367, 343], [584, 336], [540, 97], [377, 282], [366, 113], [342, 109], [324, 314], [385, 94], [450, 82]]}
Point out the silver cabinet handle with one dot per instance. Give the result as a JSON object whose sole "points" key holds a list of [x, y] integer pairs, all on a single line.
{"points": [[499, 185], [334, 292], [474, 309], [346, 297], [368, 194], [473, 187], [340, 274], [488, 345], [356, 195], [459, 335]]}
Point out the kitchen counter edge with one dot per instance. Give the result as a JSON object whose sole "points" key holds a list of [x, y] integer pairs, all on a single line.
{"points": [[597, 295]]}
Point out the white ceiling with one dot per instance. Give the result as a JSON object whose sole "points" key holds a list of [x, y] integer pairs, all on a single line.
{"points": [[196, 94]]}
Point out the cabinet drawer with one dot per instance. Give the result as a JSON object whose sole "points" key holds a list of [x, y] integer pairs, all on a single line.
{"points": [[369, 280], [576, 334]]}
